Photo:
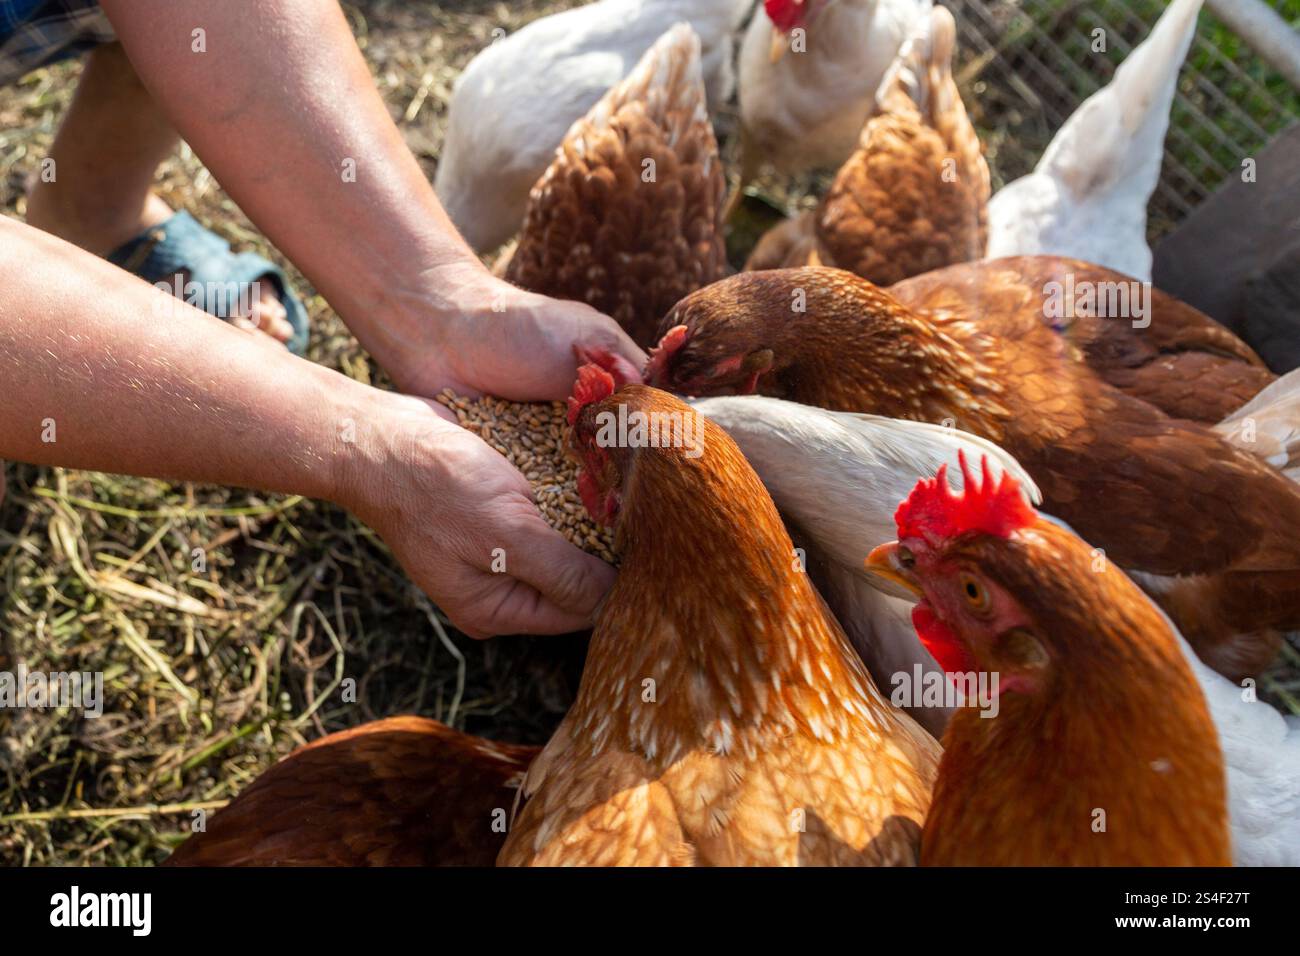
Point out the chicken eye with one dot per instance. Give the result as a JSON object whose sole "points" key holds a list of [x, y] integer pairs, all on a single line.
{"points": [[974, 593], [758, 361], [906, 559]]}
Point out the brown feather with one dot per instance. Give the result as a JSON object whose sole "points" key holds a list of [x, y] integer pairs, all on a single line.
{"points": [[1112, 760], [404, 791], [627, 217], [723, 718], [913, 196], [1160, 495], [1182, 362]]}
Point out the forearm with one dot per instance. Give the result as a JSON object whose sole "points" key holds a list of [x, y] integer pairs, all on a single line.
{"points": [[281, 108], [99, 370]]}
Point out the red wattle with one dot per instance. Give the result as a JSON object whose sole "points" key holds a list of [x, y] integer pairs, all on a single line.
{"points": [[592, 499], [944, 646]]}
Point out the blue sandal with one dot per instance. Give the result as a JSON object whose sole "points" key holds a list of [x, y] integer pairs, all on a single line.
{"points": [[220, 277]]}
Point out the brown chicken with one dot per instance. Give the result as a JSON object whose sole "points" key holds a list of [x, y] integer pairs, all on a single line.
{"points": [[722, 718], [405, 791], [627, 217], [787, 244], [1102, 751], [1179, 360], [913, 197], [1212, 529]]}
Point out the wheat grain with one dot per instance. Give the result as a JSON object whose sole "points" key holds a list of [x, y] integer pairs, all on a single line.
{"points": [[531, 437]]}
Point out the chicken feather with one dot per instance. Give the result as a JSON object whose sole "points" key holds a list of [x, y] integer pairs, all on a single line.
{"points": [[404, 791], [514, 101], [627, 218], [1261, 756], [723, 718], [1269, 425], [805, 109], [1215, 526], [1175, 357], [1088, 195], [837, 477], [1102, 750], [912, 196]]}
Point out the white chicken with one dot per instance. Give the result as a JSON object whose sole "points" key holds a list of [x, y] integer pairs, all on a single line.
{"points": [[515, 101], [837, 478], [803, 104], [1261, 751], [1269, 425], [1087, 197]]}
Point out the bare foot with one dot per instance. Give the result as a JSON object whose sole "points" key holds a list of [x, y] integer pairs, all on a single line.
{"points": [[99, 235]]}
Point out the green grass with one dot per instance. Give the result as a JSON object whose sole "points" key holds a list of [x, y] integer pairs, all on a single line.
{"points": [[1229, 102]]}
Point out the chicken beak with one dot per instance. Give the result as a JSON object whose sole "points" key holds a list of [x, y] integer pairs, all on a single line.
{"points": [[883, 564], [779, 43]]}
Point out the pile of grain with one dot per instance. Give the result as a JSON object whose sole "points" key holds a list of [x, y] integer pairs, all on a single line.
{"points": [[531, 436]]}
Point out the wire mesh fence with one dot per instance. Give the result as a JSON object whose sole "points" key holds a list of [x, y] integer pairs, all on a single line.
{"points": [[1025, 65]]}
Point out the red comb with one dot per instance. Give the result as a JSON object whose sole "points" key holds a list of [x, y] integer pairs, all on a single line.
{"points": [[934, 513], [593, 384], [785, 14], [673, 340]]}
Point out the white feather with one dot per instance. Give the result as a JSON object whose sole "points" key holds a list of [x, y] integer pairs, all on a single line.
{"points": [[806, 110], [515, 101], [1087, 197], [1261, 750], [1269, 425], [838, 477]]}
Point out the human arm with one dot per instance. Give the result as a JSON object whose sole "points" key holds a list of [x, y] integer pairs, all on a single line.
{"points": [[134, 381], [283, 110]]}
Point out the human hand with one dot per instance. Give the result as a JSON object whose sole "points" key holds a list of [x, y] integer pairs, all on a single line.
{"points": [[462, 523], [493, 338]]}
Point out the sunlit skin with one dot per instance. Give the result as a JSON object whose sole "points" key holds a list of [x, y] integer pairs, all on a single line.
{"points": [[188, 400], [377, 245], [185, 396]]}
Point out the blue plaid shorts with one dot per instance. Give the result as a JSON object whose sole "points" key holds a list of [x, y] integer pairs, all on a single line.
{"points": [[34, 33]]}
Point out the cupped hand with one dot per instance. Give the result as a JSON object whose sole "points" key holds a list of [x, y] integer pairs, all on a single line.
{"points": [[462, 523], [517, 345]]}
